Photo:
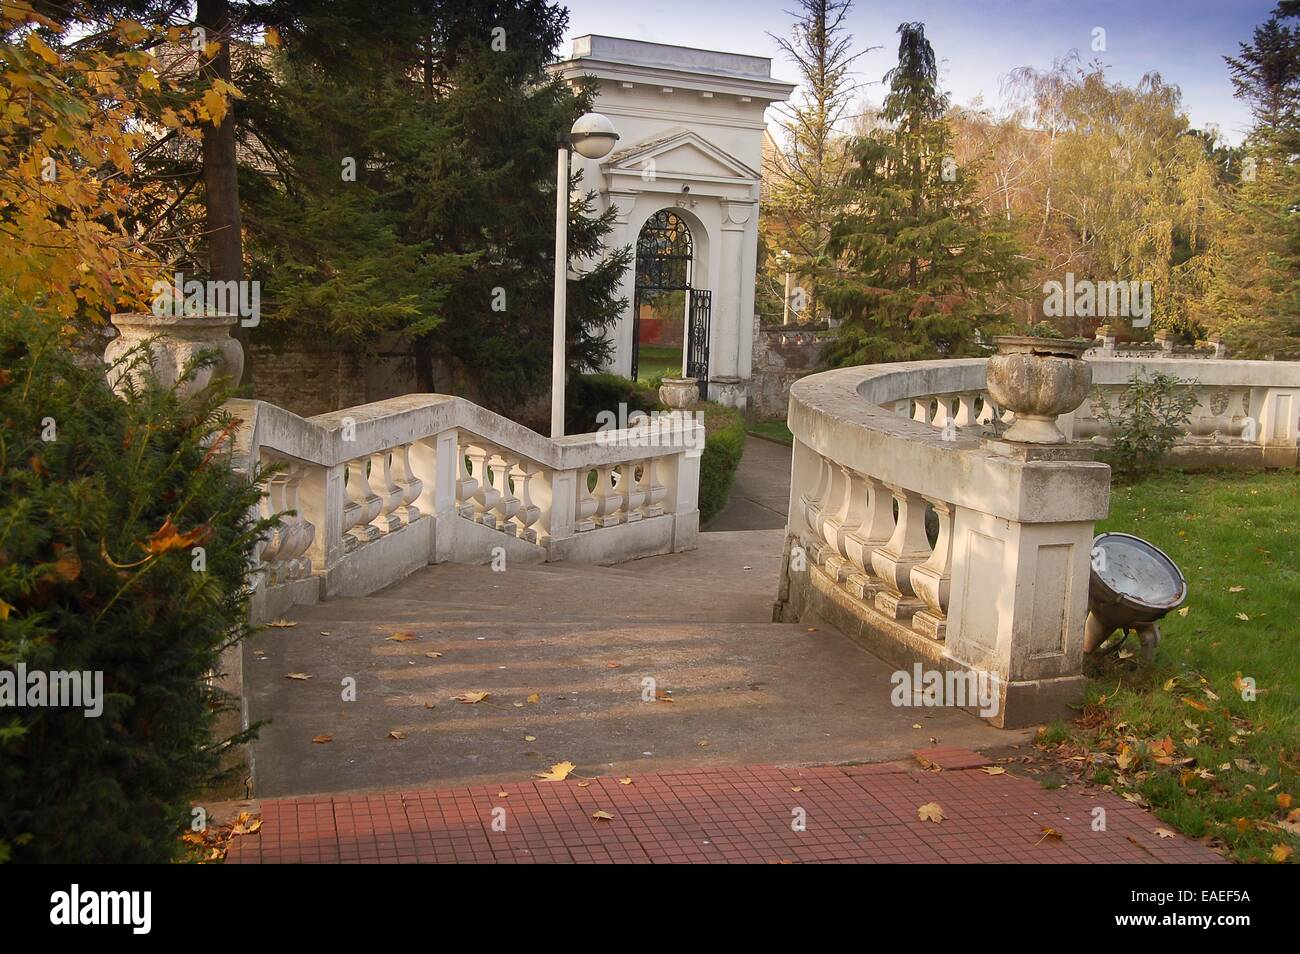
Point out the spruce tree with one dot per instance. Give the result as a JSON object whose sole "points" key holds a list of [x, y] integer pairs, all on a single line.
{"points": [[1253, 299]]}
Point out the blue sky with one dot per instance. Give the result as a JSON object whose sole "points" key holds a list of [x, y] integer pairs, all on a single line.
{"points": [[979, 41]]}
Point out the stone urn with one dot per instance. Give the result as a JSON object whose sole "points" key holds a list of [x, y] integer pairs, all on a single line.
{"points": [[680, 393], [176, 341], [1039, 379]]}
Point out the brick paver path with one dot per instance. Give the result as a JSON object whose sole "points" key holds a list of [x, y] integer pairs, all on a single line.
{"points": [[865, 813]]}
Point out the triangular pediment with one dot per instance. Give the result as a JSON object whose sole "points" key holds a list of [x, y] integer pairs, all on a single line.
{"points": [[680, 153]]}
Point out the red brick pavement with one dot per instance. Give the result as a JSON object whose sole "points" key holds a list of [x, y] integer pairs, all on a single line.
{"points": [[865, 813]]}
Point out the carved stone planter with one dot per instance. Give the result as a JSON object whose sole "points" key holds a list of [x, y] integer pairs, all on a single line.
{"points": [[680, 393], [1039, 379], [177, 340]]}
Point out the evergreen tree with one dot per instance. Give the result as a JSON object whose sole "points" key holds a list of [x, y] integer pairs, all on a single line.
{"points": [[1253, 297], [920, 259], [809, 167]]}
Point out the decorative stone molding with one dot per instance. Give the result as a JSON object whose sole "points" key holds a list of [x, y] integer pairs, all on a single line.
{"points": [[739, 213]]}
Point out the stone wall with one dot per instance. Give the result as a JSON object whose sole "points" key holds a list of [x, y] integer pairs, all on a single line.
{"points": [[782, 355], [310, 381]]}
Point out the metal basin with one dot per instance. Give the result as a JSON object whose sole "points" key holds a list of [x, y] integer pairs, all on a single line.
{"points": [[1132, 585]]}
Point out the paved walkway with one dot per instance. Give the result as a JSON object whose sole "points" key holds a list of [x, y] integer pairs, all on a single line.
{"points": [[565, 652], [865, 813], [761, 495]]}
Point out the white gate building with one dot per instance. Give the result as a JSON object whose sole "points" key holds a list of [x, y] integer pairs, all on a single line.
{"points": [[684, 180]]}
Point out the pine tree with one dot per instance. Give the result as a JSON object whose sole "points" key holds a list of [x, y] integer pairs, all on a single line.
{"points": [[920, 259], [1253, 297]]}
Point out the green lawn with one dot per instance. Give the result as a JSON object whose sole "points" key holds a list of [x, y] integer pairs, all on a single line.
{"points": [[659, 361], [776, 430], [1181, 735]]}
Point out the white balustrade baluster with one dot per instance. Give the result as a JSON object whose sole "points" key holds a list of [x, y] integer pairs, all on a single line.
{"points": [[906, 548], [632, 481], [965, 416], [932, 580], [656, 492], [486, 496], [466, 483], [390, 495], [365, 501], [412, 487], [528, 512], [609, 499], [873, 532], [507, 505], [587, 504]]}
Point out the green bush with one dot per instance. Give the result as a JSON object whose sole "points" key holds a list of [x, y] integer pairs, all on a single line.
{"points": [[1151, 415], [588, 395], [724, 443], [102, 504]]}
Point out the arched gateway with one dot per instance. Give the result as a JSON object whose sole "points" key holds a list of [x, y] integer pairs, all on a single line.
{"points": [[691, 126], [669, 313]]}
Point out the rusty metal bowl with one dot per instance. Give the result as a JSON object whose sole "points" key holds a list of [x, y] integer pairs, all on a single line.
{"points": [[1133, 585]]}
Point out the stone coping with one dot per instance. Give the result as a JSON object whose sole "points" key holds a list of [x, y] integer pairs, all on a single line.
{"points": [[382, 425], [838, 414]]}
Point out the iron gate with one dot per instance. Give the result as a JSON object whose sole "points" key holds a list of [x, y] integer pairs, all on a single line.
{"points": [[664, 262], [697, 341]]}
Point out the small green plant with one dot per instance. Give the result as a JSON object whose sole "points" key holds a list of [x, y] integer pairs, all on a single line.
{"points": [[1152, 413], [1044, 330]]}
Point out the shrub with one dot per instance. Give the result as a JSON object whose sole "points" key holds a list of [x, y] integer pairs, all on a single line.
{"points": [[724, 443], [1151, 415], [102, 504], [587, 395]]}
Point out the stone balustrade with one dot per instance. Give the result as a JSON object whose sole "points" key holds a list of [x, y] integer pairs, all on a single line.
{"points": [[1245, 415], [916, 531], [382, 489]]}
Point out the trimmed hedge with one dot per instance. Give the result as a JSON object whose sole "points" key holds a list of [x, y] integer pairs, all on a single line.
{"points": [[724, 444], [588, 395], [125, 540]]}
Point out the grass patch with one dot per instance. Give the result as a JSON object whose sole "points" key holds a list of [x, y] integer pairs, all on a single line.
{"points": [[658, 361], [1181, 736], [773, 430]]}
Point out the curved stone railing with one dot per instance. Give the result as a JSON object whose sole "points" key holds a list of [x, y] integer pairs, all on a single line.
{"points": [[382, 489], [1245, 415], [917, 531]]}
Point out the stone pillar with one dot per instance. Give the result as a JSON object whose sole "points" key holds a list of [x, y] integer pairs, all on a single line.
{"points": [[725, 357], [625, 232]]}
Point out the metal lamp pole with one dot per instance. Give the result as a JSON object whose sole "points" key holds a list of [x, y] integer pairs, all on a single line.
{"points": [[561, 288], [592, 136]]}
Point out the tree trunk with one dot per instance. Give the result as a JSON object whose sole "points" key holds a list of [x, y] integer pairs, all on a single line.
{"points": [[220, 179]]}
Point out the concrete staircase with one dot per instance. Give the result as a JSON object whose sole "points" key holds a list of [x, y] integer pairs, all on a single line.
{"points": [[581, 641]]}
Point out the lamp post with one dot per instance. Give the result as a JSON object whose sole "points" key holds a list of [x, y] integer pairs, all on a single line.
{"points": [[593, 137], [785, 263]]}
